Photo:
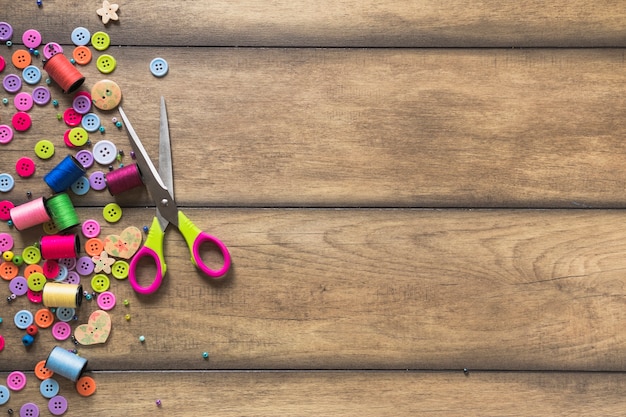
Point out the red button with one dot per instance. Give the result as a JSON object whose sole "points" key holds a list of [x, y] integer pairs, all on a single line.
{"points": [[21, 121], [25, 167], [5, 210], [71, 117]]}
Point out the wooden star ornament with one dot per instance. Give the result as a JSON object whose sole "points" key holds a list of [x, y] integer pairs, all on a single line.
{"points": [[108, 12]]}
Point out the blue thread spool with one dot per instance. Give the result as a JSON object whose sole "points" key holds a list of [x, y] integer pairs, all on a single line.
{"points": [[64, 174], [66, 363]]}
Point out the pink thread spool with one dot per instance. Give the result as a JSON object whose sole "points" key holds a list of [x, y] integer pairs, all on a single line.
{"points": [[123, 179], [29, 214], [59, 246]]}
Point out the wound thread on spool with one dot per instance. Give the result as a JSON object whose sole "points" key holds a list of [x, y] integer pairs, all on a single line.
{"points": [[62, 211], [59, 246], [123, 179], [66, 363], [30, 214], [62, 294], [61, 70], [61, 177]]}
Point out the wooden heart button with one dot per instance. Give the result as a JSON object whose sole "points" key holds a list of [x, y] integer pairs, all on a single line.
{"points": [[96, 330], [124, 245]]}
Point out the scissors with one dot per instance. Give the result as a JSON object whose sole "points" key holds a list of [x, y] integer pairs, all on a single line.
{"points": [[160, 185]]}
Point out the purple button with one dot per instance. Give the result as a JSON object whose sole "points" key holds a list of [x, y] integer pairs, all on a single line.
{"points": [[31, 38], [6, 134], [61, 330], [12, 83], [6, 31], [85, 158], [96, 180], [41, 95], [82, 104], [50, 49], [69, 263], [84, 265], [73, 278], [57, 405], [23, 101], [18, 286], [16, 380], [29, 410]]}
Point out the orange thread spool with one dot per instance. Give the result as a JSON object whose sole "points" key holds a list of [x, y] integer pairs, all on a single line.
{"points": [[61, 70]]}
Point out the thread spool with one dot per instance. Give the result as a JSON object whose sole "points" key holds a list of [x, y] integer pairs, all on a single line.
{"points": [[29, 214], [61, 294], [59, 246], [123, 179], [62, 211], [65, 363], [61, 70], [61, 177]]}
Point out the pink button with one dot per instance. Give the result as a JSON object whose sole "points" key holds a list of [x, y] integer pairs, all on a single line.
{"points": [[6, 242], [5, 210], [71, 117], [51, 268], [61, 330], [106, 300], [34, 297], [91, 228], [1, 343], [66, 139], [6, 134], [50, 49], [2, 64], [21, 121], [31, 38], [16, 380], [23, 101], [25, 167]]}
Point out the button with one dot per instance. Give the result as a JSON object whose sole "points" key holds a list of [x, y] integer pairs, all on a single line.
{"points": [[100, 283], [69, 263], [73, 278], [41, 95], [21, 59], [30, 269], [18, 286], [91, 228], [41, 372], [16, 380], [25, 167], [29, 410], [34, 297], [6, 134], [23, 319], [61, 330], [51, 49], [44, 318], [106, 94], [8, 270], [81, 104], [7, 255], [106, 300], [31, 75], [51, 268], [106, 63], [65, 313], [50, 228], [32, 330], [5, 210], [36, 281], [78, 136], [90, 122], [31, 38], [49, 388], [94, 246], [112, 212], [21, 121], [85, 158], [12, 83], [80, 186], [5, 394], [80, 36], [84, 265], [6, 241], [62, 274], [31, 255], [100, 41], [86, 386], [6, 182], [97, 181], [1, 349], [82, 55], [105, 152], [120, 269], [23, 101], [158, 67], [57, 405], [71, 117], [2, 64], [44, 149], [6, 31]]}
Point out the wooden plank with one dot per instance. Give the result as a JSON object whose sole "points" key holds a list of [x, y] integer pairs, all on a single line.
{"points": [[340, 394], [373, 289], [377, 127], [356, 23]]}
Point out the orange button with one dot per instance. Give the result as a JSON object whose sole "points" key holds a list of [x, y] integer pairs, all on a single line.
{"points": [[21, 59], [44, 318], [32, 268], [82, 55], [41, 371], [94, 246], [8, 270], [86, 386]]}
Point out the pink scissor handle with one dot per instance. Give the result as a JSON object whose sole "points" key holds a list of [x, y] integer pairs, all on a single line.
{"points": [[145, 252], [204, 237]]}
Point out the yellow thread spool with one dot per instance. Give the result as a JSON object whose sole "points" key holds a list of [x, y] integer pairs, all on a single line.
{"points": [[58, 294]]}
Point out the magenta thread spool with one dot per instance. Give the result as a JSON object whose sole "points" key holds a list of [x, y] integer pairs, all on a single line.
{"points": [[61, 177], [123, 179], [61, 70], [30, 214], [66, 363], [59, 246]]}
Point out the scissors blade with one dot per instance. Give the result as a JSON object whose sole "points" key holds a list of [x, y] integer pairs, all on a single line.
{"points": [[165, 151]]}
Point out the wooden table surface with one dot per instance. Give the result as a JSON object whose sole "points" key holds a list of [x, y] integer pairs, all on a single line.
{"points": [[408, 189]]}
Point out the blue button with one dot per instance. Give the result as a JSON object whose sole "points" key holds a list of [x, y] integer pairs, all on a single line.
{"points": [[5, 394], [80, 186], [158, 67], [23, 319], [49, 388], [90, 122], [62, 273], [80, 36], [31, 74], [65, 313], [6, 182]]}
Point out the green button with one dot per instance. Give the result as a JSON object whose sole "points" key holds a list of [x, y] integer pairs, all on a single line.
{"points": [[106, 64], [31, 255], [100, 41], [78, 136], [17, 260], [112, 212], [120, 269], [100, 283], [44, 149], [36, 281]]}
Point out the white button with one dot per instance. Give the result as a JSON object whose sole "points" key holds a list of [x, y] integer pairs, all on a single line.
{"points": [[104, 152]]}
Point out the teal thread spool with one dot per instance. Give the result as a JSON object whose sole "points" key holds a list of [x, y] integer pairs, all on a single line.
{"points": [[66, 363], [62, 211]]}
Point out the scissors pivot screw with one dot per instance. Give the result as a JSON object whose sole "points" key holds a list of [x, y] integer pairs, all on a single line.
{"points": [[165, 202]]}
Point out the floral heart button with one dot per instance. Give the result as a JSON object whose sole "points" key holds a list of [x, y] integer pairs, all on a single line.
{"points": [[96, 330], [125, 244]]}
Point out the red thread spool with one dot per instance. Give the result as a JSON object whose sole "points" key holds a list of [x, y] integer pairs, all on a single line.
{"points": [[61, 70], [59, 246], [30, 214], [123, 179]]}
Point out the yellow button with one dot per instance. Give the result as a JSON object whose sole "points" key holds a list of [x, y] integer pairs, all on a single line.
{"points": [[21, 59], [78, 136], [36, 281], [106, 63], [106, 94], [44, 149], [100, 41], [100, 283], [112, 212], [120, 269], [7, 255], [31, 255], [82, 55]]}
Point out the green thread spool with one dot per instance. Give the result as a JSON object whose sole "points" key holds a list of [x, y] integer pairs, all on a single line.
{"points": [[62, 211]]}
